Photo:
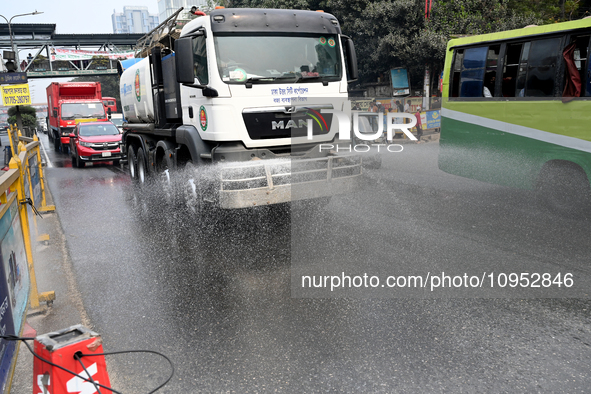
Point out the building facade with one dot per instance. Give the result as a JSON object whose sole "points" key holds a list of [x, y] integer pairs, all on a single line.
{"points": [[134, 19]]}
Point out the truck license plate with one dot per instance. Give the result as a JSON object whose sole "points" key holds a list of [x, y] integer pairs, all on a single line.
{"points": [[106, 154]]}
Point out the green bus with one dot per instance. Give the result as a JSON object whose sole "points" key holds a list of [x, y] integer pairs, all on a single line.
{"points": [[516, 111]]}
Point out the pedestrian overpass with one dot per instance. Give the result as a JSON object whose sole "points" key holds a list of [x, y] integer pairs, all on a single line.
{"points": [[39, 39]]}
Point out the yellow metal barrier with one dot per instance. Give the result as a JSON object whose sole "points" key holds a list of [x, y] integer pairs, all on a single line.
{"points": [[26, 164]]}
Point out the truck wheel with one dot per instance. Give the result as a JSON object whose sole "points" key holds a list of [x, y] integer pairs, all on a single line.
{"points": [[65, 148], [132, 163], [56, 144], [142, 171]]}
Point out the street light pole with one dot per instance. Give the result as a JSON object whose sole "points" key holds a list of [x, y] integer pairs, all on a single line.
{"points": [[10, 31]]}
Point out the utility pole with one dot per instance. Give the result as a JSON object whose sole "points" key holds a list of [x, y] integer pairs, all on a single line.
{"points": [[427, 78]]}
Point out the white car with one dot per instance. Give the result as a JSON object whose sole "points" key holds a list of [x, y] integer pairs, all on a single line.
{"points": [[117, 120]]}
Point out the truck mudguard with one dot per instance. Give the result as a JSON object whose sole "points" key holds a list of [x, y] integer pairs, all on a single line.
{"points": [[189, 136]]}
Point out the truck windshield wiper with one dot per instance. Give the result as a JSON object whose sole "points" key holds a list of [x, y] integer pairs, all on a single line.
{"points": [[314, 78], [256, 79], [250, 80], [73, 116]]}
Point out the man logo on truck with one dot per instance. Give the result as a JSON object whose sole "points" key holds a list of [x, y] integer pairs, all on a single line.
{"points": [[301, 123], [138, 93]]}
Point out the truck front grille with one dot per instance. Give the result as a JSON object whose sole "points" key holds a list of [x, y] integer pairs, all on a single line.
{"points": [[280, 123]]}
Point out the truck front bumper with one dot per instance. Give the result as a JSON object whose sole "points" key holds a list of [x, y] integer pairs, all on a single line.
{"points": [[267, 182]]}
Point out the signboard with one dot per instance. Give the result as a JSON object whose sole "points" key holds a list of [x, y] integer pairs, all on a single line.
{"points": [[9, 78], [400, 82], [433, 120], [16, 95], [73, 54]]}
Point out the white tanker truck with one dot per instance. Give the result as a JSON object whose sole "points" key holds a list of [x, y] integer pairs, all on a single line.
{"points": [[238, 92]]}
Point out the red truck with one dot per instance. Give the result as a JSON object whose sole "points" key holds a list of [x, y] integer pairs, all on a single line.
{"points": [[70, 103], [110, 103]]}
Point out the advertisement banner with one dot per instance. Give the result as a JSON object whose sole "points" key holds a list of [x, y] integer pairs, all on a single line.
{"points": [[73, 54], [14, 263], [35, 181], [7, 348], [16, 95]]}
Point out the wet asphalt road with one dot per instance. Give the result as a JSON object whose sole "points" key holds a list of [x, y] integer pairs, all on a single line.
{"points": [[222, 299]]}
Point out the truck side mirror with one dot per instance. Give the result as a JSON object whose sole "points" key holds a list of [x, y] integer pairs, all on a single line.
{"points": [[351, 58], [55, 113], [109, 113], [183, 48]]}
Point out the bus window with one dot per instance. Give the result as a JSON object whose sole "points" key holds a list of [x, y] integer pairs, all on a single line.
{"points": [[522, 71], [472, 76], [541, 67], [514, 68], [492, 61], [455, 73], [575, 60]]}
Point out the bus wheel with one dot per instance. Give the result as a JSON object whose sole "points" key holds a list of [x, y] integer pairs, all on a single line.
{"points": [[132, 162], [564, 188]]}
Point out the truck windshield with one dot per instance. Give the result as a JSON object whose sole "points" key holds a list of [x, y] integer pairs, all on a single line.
{"points": [[83, 110], [270, 59]]}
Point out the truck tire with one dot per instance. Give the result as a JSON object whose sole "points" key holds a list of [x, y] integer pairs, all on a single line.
{"points": [[56, 144], [132, 162], [65, 148], [142, 169]]}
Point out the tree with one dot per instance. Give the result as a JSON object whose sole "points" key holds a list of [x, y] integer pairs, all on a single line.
{"points": [[28, 115], [394, 33], [551, 11]]}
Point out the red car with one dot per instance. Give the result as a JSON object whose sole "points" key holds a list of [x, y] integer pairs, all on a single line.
{"points": [[95, 142]]}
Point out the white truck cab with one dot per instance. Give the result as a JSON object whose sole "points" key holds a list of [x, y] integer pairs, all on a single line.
{"points": [[239, 91]]}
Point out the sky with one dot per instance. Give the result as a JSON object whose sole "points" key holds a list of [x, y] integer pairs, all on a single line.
{"points": [[70, 17]]}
